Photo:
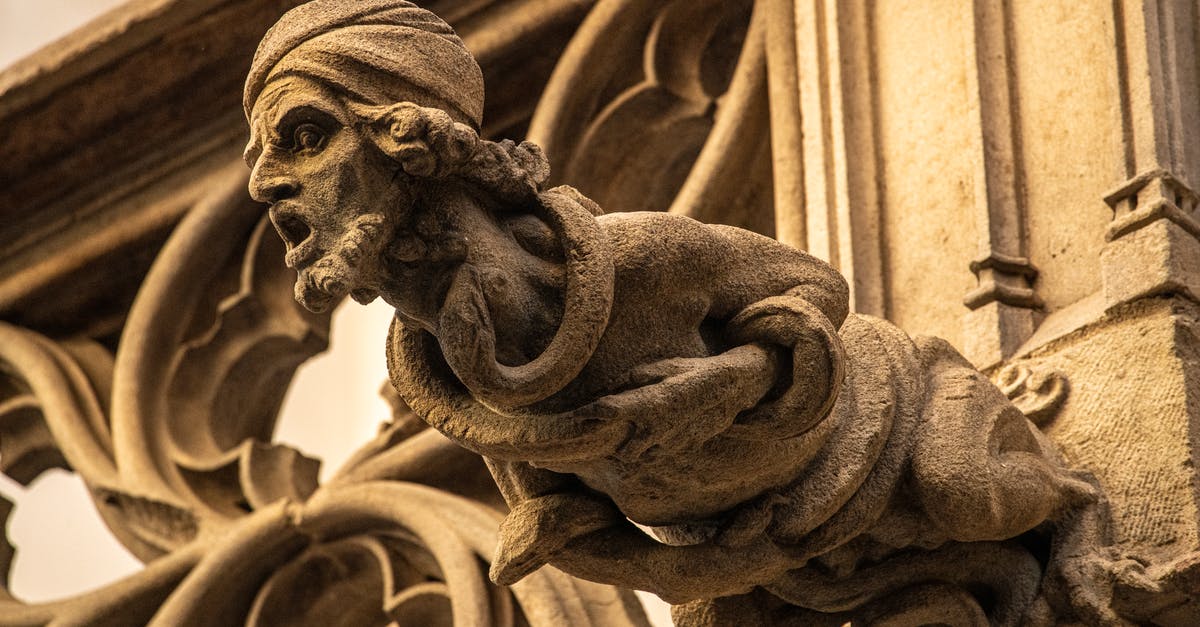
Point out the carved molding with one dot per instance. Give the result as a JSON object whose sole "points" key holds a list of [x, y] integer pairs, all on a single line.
{"points": [[1003, 305], [991, 270], [835, 211], [1152, 242], [1150, 196], [657, 106]]}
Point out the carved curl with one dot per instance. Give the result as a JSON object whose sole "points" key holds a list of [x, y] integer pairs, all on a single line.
{"points": [[427, 143]]}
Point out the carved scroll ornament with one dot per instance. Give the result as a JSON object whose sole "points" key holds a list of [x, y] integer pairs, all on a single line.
{"points": [[172, 436], [795, 462]]}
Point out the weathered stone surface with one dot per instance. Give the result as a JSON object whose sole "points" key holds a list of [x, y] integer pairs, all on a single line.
{"points": [[953, 161], [1130, 422], [169, 418], [110, 138], [639, 367]]}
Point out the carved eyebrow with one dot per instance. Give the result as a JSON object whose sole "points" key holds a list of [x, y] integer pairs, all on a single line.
{"points": [[253, 150], [254, 146], [280, 131]]}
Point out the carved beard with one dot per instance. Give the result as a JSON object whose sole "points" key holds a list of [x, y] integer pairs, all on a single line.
{"points": [[349, 266]]}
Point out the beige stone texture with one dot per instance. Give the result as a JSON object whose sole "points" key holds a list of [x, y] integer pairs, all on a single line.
{"points": [[1129, 420], [657, 310], [927, 185], [1065, 80]]}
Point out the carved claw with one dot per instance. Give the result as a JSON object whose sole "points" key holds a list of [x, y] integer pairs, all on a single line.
{"points": [[537, 530], [1090, 581], [709, 391], [1149, 593]]}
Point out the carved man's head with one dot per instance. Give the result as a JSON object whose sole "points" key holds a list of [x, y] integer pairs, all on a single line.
{"points": [[364, 119], [347, 100]]}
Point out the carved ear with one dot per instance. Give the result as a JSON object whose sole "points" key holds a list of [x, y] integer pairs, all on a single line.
{"points": [[425, 141]]}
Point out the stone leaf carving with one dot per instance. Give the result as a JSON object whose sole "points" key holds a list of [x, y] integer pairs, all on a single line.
{"points": [[795, 462], [200, 372], [664, 104], [1038, 394], [172, 435]]}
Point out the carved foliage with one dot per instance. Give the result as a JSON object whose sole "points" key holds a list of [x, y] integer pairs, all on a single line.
{"points": [[658, 106], [180, 462], [1038, 394]]}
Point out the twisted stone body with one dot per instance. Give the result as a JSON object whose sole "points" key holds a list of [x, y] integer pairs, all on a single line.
{"points": [[794, 461]]}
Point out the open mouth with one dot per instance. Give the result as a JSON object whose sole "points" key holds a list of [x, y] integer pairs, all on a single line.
{"points": [[330, 265], [296, 233], [290, 227]]}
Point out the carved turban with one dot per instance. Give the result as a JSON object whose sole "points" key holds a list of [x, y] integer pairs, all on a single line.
{"points": [[377, 51]]}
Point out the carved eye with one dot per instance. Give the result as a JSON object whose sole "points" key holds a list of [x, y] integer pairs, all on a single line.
{"points": [[308, 137]]}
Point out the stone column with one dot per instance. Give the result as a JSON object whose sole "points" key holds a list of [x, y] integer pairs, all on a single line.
{"points": [[1052, 150]]}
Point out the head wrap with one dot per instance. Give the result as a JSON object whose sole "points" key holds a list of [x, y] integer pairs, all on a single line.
{"points": [[378, 51]]}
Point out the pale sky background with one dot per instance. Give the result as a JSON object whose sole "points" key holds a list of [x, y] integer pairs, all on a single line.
{"points": [[332, 407], [26, 25]]}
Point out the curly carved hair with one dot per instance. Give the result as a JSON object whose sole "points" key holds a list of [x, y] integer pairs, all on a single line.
{"points": [[427, 143]]}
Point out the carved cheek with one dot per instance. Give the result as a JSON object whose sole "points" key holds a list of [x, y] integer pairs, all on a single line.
{"points": [[347, 177]]}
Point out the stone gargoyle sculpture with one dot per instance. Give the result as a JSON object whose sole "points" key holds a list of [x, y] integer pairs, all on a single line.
{"points": [[666, 405]]}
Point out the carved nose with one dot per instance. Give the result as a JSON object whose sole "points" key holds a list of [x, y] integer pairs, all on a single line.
{"points": [[273, 189], [269, 184]]}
